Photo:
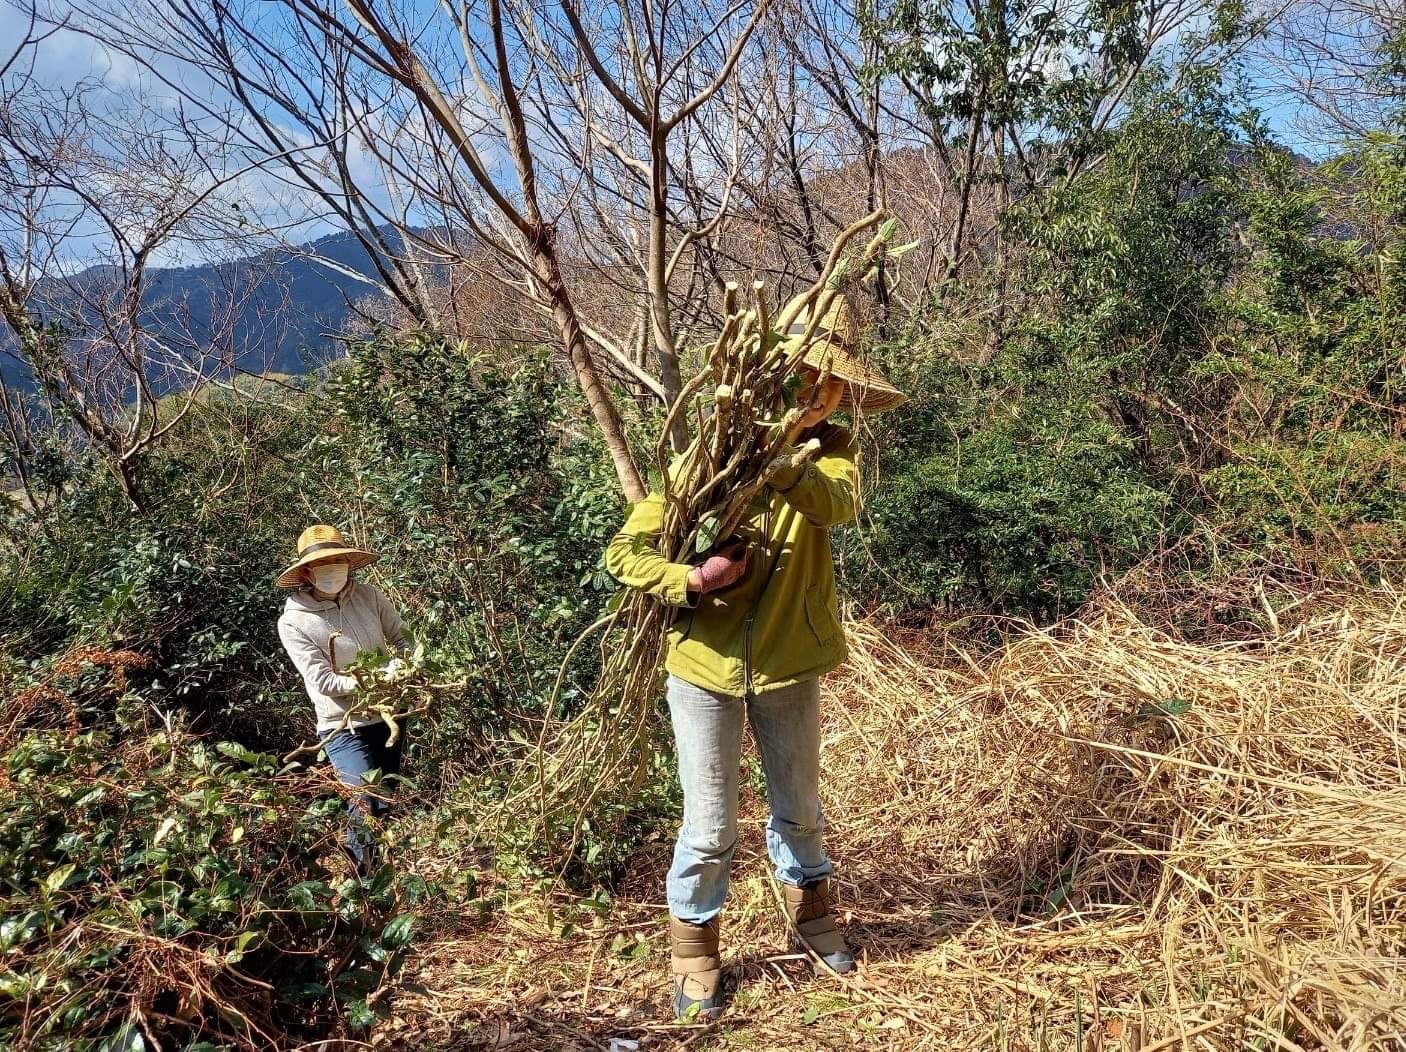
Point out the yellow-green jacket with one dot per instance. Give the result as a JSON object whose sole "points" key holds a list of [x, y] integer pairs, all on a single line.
{"points": [[780, 622]]}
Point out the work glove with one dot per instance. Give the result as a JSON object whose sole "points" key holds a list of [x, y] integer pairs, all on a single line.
{"points": [[719, 570], [395, 671]]}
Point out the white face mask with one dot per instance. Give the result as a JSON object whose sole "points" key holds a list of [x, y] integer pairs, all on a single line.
{"points": [[330, 578]]}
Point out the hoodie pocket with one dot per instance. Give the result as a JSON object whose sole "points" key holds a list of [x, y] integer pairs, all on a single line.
{"points": [[820, 614]]}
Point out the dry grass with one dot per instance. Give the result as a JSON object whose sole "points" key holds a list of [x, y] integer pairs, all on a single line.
{"points": [[1033, 856]]}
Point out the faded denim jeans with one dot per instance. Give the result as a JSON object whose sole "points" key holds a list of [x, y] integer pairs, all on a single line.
{"points": [[355, 752], [708, 733]]}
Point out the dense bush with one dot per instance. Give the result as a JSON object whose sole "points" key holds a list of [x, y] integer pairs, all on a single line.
{"points": [[1022, 516], [1206, 335], [163, 891], [188, 584], [488, 513], [1021, 473], [489, 516], [1312, 341]]}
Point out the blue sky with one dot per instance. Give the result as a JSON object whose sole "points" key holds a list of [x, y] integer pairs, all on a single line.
{"points": [[68, 58]]}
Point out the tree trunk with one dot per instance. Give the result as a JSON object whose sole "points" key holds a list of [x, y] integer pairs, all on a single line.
{"points": [[665, 352], [597, 397]]}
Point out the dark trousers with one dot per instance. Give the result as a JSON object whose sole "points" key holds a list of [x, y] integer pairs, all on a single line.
{"points": [[353, 753]]}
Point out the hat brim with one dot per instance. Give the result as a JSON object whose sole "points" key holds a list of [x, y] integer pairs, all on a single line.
{"points": [[293, 577], [866, 389]]}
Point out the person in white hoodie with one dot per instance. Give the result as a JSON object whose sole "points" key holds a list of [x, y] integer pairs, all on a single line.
{"points": [[326, 622]]}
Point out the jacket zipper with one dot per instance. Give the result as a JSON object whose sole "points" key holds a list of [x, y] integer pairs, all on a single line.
{"points": [[765, 547], [747, 657]]}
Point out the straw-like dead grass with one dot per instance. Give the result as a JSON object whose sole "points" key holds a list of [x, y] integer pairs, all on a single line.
{"points": [[1098, 837]]}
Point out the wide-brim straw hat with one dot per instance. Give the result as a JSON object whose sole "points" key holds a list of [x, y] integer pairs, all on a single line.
{"points": [[834, 348], [319, 544]]}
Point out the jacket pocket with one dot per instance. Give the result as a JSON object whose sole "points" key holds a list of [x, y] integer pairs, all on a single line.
{"points": [[820, 615]]}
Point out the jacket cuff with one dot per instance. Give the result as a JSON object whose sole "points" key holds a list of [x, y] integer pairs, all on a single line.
{"points": [[675, 587], [789, 477]]}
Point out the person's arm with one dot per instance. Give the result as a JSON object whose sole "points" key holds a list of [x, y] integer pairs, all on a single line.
{"points": [[632, 558], [313, 665], [392, 627], [823, 490]]}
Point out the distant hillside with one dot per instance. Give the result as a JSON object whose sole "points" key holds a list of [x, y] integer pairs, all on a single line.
{"points": [[292, 302]]}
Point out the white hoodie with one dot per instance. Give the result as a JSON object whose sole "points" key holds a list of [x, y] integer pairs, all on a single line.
{"points": [[365, 619]]}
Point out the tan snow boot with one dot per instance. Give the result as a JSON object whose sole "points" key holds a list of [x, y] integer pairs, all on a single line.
{"points": [[813, 925], [697, 969]]}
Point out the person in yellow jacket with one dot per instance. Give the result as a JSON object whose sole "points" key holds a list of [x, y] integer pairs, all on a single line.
{"points": [[758, 624]]}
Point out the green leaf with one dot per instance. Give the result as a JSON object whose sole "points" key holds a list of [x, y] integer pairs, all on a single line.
{"points": [[360, 1015], [299, 992], [889, 228], [1060, 888], [242, 753], [309, 894], [616, 601], [812, 1014], [903, 250], [18, 929], [381, 881], [127, 1038], [1170, 708], [708, 532], [838, 275], [398, 931], [56, 880]]}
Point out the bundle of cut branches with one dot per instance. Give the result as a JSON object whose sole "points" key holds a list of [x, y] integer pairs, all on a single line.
{"points": [[744, 429], [393, 699]]}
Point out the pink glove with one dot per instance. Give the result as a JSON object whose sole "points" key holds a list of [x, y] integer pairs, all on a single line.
{"points": [[719, 570]]}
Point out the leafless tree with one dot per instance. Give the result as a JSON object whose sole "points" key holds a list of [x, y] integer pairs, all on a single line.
{"points": [[606, 168], [445, 105], [90, 195], [1330, 57]]}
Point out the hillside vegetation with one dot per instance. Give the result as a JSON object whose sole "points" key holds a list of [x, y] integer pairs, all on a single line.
{"points": [[1117, 761]]}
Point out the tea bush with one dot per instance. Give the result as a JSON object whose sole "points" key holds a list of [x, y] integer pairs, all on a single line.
{"points": [[163, 891]]}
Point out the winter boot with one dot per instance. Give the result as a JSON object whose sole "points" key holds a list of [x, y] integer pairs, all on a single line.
{"points": [[697, 970], [808, 910]]}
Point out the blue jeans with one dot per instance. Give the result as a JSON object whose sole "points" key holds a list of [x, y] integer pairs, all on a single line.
{"points": [[354, 752], [708, 733]]}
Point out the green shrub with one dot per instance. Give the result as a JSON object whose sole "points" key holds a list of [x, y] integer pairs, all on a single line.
{"points": [[1019, 517], [1340, 495], [490, 516], [161, 891]]}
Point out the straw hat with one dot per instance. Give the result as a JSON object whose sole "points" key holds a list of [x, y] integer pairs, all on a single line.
{"points": [[832, 347], [318, 544]]}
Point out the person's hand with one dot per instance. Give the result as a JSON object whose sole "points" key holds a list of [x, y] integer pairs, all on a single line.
{"points": [[719, 570], [394, 671], [793, 457]]}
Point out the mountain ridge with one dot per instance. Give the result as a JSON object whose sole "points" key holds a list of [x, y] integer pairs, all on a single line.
{"points": [[293, 303]]}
